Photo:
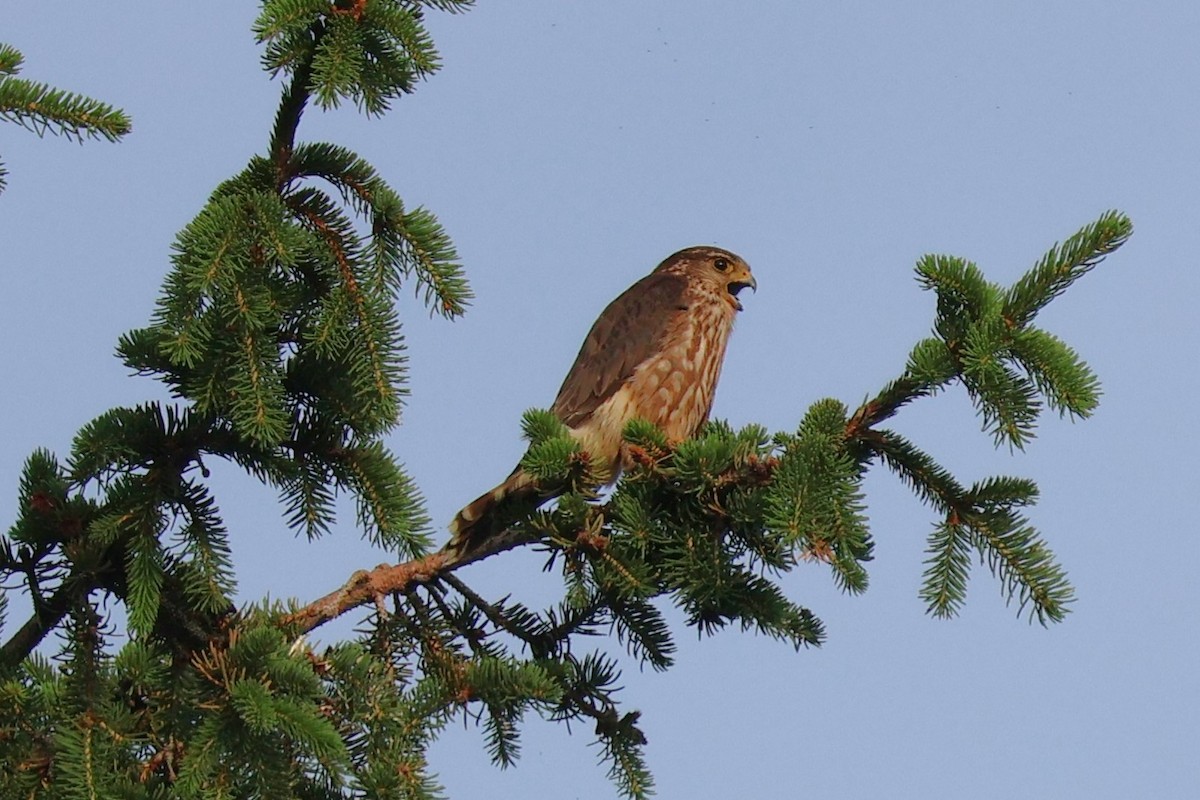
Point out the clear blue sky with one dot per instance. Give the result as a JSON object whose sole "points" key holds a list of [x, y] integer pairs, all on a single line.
{"points": [[570, 146]]}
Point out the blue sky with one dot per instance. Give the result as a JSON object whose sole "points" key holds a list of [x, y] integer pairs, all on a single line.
{"points": [[568, 147]]}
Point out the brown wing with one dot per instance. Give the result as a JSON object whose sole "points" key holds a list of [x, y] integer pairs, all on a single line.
{"points": [[627, 333]]}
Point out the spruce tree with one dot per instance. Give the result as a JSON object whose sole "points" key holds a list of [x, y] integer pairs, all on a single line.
{"points": [[277, 334]]}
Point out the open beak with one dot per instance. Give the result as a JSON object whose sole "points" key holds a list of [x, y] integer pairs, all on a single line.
{"points": [[743, 281]]}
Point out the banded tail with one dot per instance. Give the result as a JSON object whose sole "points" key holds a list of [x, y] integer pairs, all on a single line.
{"points": [[492, 512]]}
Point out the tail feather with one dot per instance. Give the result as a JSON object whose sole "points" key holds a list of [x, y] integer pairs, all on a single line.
{"points": [[492, 512]]}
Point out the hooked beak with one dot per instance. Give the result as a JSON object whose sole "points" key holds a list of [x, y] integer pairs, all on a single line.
{"points": [[743, 281]]}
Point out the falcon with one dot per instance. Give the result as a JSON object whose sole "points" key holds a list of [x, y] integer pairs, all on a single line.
{"points": [[655, 353]]}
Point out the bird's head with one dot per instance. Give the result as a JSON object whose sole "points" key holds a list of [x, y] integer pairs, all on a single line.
{"points": [[723, 271]]}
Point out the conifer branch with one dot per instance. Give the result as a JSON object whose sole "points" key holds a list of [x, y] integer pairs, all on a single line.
{"points": [[44, 109], [985, 342], [47, 616], [367, 586], [291, 109], [10, 59], [492, 612], [1063, 265], [884, 405]]}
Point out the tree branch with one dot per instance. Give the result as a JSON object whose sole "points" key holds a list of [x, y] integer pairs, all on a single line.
{"points": [[365, 586], [291, 108], [46, 617], [890, 399]]}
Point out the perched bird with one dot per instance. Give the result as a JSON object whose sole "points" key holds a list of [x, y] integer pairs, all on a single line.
{"points": [[654, 354]]}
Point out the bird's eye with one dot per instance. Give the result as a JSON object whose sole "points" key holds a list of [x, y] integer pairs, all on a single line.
{"points": [[721, 264]]}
